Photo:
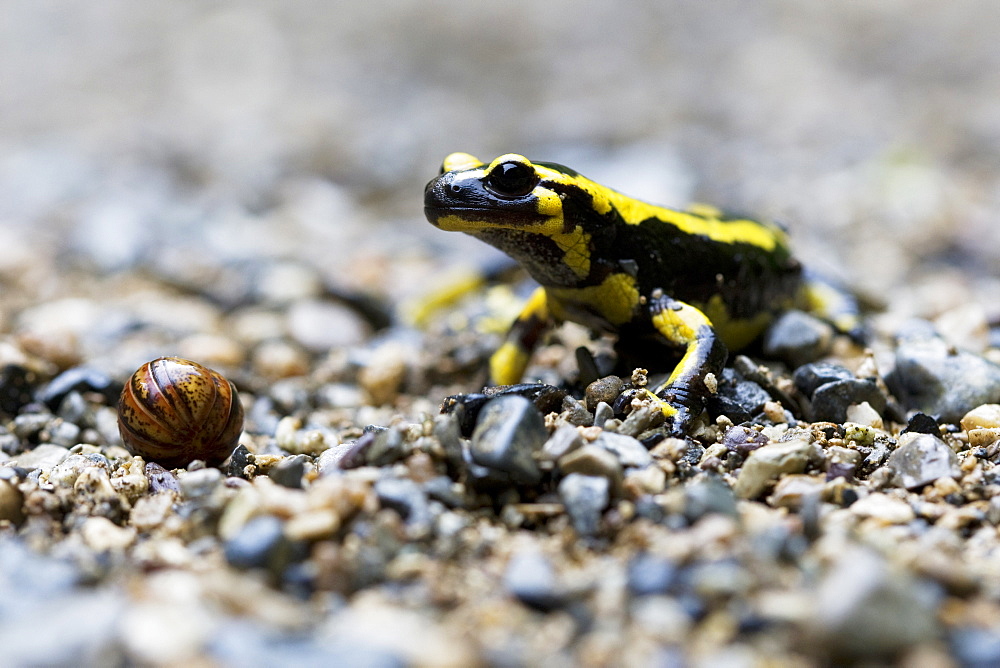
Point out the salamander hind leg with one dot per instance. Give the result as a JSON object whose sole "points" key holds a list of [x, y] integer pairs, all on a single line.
{"points": [[682, 397]]}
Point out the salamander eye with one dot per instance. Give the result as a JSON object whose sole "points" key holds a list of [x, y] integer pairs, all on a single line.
{"points": [[511, 179]]}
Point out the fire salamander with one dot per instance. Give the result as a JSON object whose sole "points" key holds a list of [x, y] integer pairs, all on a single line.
{"points": [[698, 280]]}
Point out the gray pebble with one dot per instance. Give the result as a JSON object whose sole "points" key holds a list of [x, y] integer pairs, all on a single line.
{"points": [[64, 433], [563, 441], [932, 377], [650, 575], [920, 459], [797, 338], [585, 498], [769, 462], [706, 495], [405, 497], [865, 610], [199, 483], [602, 413], [43, 457], [830, 401], [531, 579], [508, 433], [630, 452], [593, 460], [386, 447], [290, 471], [260, 543], [809, 377]]}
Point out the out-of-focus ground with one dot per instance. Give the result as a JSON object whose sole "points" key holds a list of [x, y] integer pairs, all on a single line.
{"points": [[872, 129]]}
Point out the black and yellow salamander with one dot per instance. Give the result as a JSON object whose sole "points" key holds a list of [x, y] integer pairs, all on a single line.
{"points": [[700, 281]]}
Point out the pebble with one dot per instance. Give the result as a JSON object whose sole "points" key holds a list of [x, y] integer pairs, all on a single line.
{"points": [[809, 377], [649, 575], [930, 376], [43, 457], [530, 578], [260, 543], [883, 508], [78, 379], [630, 452], [508, 433], [290, 471], [563, 441], [738, 398], [863, 610], [920, 459], [797, 337], [602, 413], [831, 401], [593, 460], [604, 390], [707, 495], [769, 462], [405, 497], [585, 498], [200, 483]]}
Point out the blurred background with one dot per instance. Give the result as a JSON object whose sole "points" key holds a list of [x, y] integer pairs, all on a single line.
{"points": [[131, 133]]}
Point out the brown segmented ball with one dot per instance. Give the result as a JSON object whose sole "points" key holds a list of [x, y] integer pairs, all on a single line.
{"points": [[173, 411]]}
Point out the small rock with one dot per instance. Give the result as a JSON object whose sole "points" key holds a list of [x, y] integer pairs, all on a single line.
{"points": [[708, 494], [809, 377], [11, 503], [290, 471], [78, 379], [531, 579], [405, 497], [239, 461], [200, 483], [830, 401], [737, 398], [604, 389], [44, 457], [602, 413], [593, 460], [563, 441], [920, 459], [650, 575], [797, 338], [795, 490], [865, 610], [161, 480], [585, 498], [102, 535], [260, 543], [508, 433], [932, 377], [348, 455], [883, 508], [630, 452], [986, 416], [770, 462]]}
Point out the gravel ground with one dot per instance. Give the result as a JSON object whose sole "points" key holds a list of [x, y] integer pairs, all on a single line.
{"points": [[242, 186]]}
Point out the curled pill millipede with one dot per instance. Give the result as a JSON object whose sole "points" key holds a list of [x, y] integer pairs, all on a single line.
{"points": [[173, 411]]}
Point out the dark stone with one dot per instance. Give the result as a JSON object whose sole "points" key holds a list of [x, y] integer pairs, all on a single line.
{"points": [[289, 472], [16, 385], [932, 377], [161, 480], [737, 398], [921, 423], [650, 575], [530, 578], [260, 543], [585, 498], [743, 440], [240, 459], [510, 430], [386, 447], [706, 495], [797, 337], [441, 489], [809, 377], [466, 407], [405, 497], [830, 401], [975, 647], [79, 379]]}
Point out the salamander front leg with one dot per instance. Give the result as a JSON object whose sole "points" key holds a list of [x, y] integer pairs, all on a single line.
{"points": [[508, 363], [682, 397]]}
